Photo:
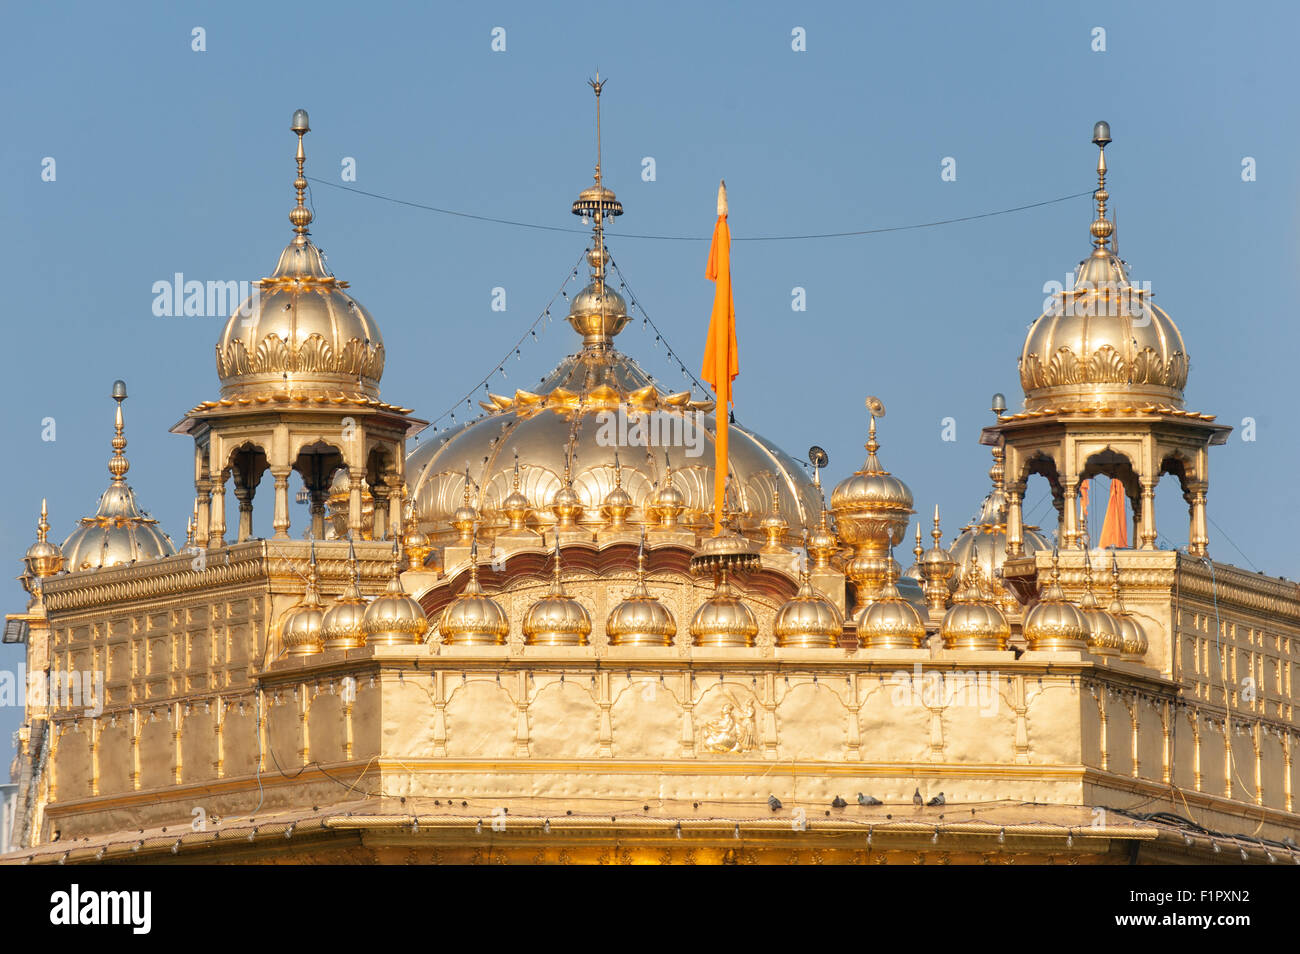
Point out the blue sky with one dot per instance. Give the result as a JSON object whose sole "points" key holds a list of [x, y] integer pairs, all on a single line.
{"points": [[170, 160]]}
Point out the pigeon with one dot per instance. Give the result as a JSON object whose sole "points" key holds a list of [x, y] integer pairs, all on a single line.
{"points": [[868, 800], [774, 803], [838, 802], [937, 801], [917, 800]]}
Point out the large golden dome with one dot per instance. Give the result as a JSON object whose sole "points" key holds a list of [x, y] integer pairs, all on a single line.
{"points": [[597, 410], [118, 532], [1103, 342], [301, 331]]}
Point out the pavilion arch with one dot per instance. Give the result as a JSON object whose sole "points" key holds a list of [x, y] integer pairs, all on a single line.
{"points": [[246, 464], [316, 462]]}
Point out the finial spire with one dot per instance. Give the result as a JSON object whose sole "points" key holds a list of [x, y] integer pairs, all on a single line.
{"points": [[1102, 227], [301, 215], [597, 85], [118, 465], [42, 526], [722, 198]]}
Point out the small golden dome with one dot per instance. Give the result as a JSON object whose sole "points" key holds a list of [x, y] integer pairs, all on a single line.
{"points": [[618, 502], [394, 618], [565, 504], [515, 506], [343, 626], [473, 618], [301, 632], [118, 533], [774, 526], [669, 502], [1103, 341], [641, 619], [43, 559], [822, 544], [974, 621], [1054, 622], [890, 622], [808, 619], [723, 619], [1133, 644], [871, 489], [300, 329], [1104, 633], [727, 549], [557, 619], [416, 546]]}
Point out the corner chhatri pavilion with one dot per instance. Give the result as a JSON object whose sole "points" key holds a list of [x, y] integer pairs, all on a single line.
{"points": [[520, 642]]}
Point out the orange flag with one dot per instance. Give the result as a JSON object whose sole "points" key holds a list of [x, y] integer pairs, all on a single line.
{"points": [[1114, 532], [721, 364], [1084, 487]]}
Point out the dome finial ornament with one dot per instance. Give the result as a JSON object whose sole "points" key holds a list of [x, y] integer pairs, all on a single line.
{"points": [[119, 465], [1102, 227], [301, 215], [42, 558], [343, 626], [303, 629], [641, 619]]}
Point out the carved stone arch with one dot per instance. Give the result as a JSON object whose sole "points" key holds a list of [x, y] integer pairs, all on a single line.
{"points": [[1116, 465]]}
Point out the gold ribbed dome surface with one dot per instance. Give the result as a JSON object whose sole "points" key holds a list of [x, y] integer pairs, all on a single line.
{"points": [[557, 619], [1054, 622], [974, 621], [301, 331], [808, 620], [871, 489], [394, 618], [343, 626], [1103, 342], [302, 631], [723, 619], [890, 622], [118, 532], [641, 619], [473, 618]]}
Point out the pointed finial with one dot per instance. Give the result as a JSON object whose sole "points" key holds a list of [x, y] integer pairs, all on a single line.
{"points": [[42, 526], [936, 533], [918, 550], [618, 471], [722, 198], [1102, 227], [516, 478], [301, 215], [557, 586], [597, 85], [118, 465]]}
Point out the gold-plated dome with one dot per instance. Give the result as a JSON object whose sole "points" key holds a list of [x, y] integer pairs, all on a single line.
{"points": [[935, 566], [415, 543], [1105, 636], [596, 404], [300, 331], [1133, 644], [566, 506], [118, 532], [725, 550], [557, 619], [1054, 622], [618, 502], [872, 510], [302, 632], [43, 559], [890, 622], [822, 544], [1103, 342], [394, 618], [974, 621], [473, 618], [343, 626], [774, 527], [515, 506], [723, 619], [808, 619], [641, 619]]}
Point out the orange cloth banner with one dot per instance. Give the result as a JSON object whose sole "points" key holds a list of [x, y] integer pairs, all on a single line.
{"points": [[1114, 532], [721, 363]]}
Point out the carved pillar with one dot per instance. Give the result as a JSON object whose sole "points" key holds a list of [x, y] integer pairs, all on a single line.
{"points": [[316, 497], [354, 505], [380, 494], [396, 523], [218, 527], [281, 519], [1069, 531], [203, 500], [1015, 520], [1198, 535], [1147, 533], [244, 494]]}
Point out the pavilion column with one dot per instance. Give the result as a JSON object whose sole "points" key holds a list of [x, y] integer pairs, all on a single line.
{"points": [[1069, 531], [396, 525], [219, 512], [1147, 531], [354, 504], [380, 494], [203, 500], [281, 519], [1198, 535], [316, 497], [244, 494], [1015, 520]]}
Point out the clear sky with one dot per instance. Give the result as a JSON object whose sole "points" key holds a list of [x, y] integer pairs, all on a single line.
{"points": [[170, 160]]}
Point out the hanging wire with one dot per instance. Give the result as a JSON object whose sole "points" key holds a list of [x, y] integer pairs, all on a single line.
{"points": [[701, 238], [659, 335], [531, 331]]}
